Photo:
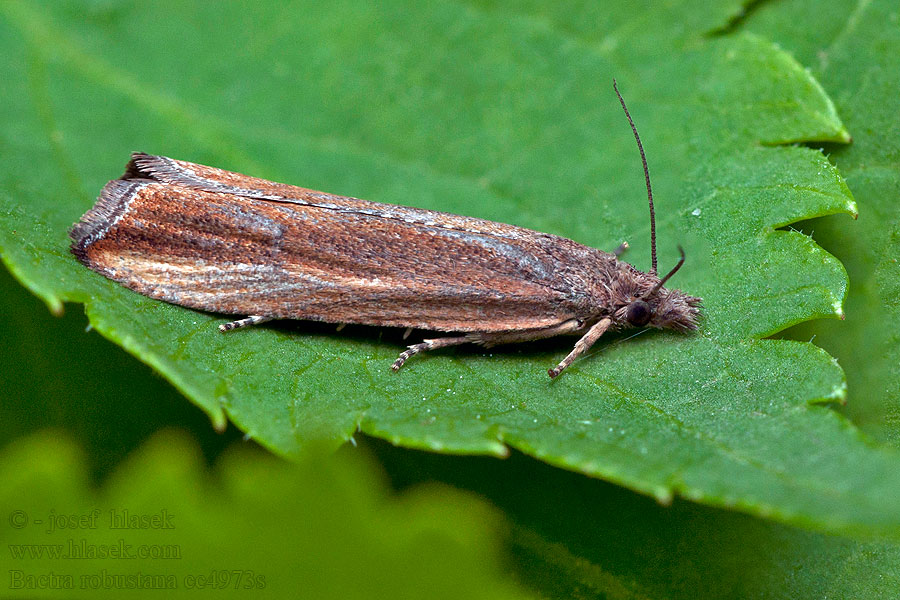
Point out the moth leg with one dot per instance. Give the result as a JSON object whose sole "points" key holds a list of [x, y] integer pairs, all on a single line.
{"points": [[429, 345], [245, 322], [488, 339], [621, 249], [581, 346], [510, 337]]}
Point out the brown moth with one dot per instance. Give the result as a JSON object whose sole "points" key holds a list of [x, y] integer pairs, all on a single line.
{"points": [[219, 241]]}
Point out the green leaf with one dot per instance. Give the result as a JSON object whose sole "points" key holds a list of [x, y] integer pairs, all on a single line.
{"points": [[501, 112], [853, 50], [325, 528]]}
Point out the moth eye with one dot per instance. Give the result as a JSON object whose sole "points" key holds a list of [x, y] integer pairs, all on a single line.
{"points": [[638, 313]]}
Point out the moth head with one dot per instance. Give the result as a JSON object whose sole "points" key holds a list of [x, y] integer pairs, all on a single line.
{"points": [[662, 308]]}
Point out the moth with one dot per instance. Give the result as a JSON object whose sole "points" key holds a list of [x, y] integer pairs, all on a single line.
{"points": [[224, 242]]}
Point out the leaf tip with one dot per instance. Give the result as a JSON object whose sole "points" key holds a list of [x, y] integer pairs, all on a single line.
{"points": [[498, 449], [663, 495], [839, 309], [219, 421], [55, 305], [850, 206], [838, 394]]}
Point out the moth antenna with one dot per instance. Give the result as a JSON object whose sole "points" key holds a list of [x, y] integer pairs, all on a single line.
{"points": [[647, 179], [668, 275]]}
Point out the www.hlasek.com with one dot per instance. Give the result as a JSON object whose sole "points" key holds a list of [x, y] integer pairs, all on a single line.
{"points": [[81, 549]]}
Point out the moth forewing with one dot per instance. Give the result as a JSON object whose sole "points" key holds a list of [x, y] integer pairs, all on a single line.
{"points": [[291, 258]]}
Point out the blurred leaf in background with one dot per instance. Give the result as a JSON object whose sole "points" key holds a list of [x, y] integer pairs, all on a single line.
{"points": [[255, 526]]}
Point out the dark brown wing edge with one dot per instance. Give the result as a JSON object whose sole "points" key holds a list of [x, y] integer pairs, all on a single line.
{"points": [[110, 206], [212, 179]]}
